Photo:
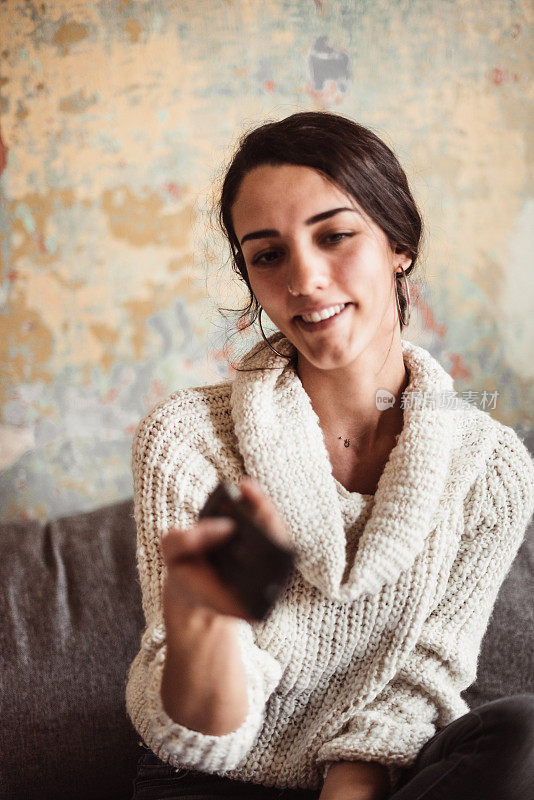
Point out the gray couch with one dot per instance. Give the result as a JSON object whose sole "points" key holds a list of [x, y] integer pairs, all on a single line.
{"points": [[70, 625]]}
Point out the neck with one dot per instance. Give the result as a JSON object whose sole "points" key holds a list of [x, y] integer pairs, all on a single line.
{"points": [[344, 398]]}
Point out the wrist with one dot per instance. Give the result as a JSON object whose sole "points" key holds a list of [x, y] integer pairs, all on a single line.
{"points": [[193, 693], [185, 623]]}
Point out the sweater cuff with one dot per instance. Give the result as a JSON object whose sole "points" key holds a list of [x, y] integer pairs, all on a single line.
{"points": [[183, 747], [388, 742]]}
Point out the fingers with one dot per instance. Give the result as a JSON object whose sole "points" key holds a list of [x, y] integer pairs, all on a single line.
{"points": [[190, 580], [182, 544], [252, 492], [264, 510], [186, 543]]}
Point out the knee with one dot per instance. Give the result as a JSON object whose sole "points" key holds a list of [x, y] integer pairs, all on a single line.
{"points": [[511, 720], [507, 745]]}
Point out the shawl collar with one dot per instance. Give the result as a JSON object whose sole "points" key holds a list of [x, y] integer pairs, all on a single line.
{"points": [[283, 448]]}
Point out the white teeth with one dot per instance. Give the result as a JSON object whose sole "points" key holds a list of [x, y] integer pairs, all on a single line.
{"points": [[317, 316]]}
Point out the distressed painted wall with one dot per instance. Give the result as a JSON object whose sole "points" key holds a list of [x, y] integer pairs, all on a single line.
{"points": [[117, 118]]}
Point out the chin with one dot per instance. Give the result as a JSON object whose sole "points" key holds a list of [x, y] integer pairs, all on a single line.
{"points": [[327, 360], [339, 356]]}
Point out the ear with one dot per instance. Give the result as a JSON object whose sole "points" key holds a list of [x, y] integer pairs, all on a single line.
{"points": [[405, 263], [402, 257], [404, 260]]}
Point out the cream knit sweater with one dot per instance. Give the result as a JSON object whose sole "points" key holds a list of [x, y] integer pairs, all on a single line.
{"points": [[365, 654]]}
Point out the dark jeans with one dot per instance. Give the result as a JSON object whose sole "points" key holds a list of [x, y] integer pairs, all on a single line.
{"points": [[487, 754]]}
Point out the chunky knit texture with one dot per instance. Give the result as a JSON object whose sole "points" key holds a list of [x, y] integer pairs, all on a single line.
{"points": [[379, 629]]}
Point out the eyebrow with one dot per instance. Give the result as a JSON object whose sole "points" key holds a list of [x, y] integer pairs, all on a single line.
{"points": [[311, 221]]}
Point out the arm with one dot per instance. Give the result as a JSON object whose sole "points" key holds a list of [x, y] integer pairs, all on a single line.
{"points": [[171, 482], [192, 692], [356, 780], [425, 693]]}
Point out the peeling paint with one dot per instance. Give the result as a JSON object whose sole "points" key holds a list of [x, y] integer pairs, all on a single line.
{"points": [[3, 154], [25, 347], [15, 442], [68, 34], [133, 29], [77, 102], [325, 63], [143, 220]]}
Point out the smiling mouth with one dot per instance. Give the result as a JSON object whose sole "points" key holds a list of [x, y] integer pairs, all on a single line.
{"points": [[320, 324], [317, 316]]}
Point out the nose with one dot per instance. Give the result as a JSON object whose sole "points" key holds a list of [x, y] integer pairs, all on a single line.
{"points": [[307, 271]]}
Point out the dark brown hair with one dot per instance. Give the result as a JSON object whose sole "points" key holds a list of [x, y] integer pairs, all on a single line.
{"points": [[345, 153]]}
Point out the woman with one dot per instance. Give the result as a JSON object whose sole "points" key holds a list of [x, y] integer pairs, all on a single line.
{"points": [[406, 510]]}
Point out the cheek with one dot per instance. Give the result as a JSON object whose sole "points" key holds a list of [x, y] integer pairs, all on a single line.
{"points": [[265, 288], [357, 272], [368, 268], [368, 284]]}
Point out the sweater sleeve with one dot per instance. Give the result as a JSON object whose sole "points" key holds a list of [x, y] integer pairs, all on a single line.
{"points": [[424, 695], [171, 482]]}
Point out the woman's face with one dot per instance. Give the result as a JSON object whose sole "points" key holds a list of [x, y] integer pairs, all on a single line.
{"points": [[291, 239]]}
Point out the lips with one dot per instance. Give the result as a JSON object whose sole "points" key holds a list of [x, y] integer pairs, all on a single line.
{"points": [[324, 323], [319, 309]]}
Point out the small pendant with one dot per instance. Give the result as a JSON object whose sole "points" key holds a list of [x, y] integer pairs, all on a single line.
{"points": [[346, 442]]}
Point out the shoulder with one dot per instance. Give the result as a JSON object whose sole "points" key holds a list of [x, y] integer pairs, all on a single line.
{"points": [[191, 414], [479, 441], [180, 450], [509, 474], [502, 493]]}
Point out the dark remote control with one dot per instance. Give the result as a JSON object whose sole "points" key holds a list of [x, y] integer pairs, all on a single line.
{"points": [[250, 561]]}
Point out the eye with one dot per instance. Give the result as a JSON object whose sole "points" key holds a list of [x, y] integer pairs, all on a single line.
{"points": [[266, 255], [270, 256], [332, 236]]}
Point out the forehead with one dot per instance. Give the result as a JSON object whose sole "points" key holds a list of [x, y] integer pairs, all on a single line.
{"points": [[285, 192]]}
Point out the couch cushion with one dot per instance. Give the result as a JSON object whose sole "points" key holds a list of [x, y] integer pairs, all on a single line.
{"points": [[71, 622]]}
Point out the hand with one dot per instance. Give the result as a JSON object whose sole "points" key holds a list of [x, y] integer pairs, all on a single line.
{"points": [[356, 780], [191, 583], [264, 510]]}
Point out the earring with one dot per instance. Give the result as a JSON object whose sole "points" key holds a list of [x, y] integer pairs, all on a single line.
{"points": [[282, 355], [295, 294], [404, 321]]}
